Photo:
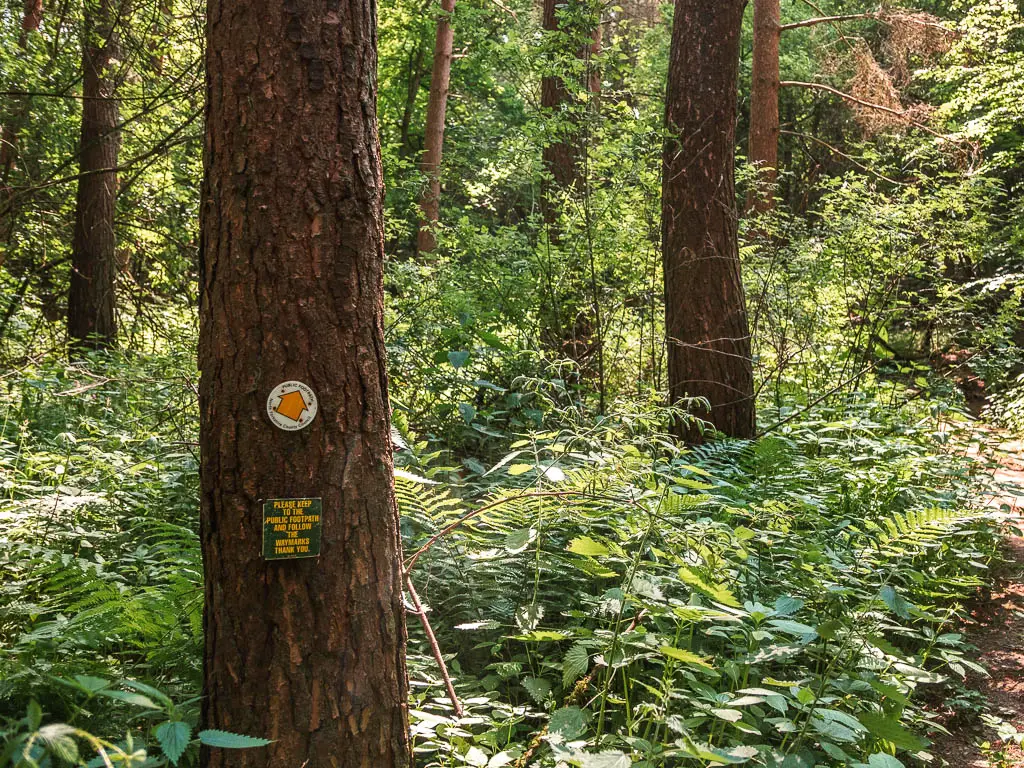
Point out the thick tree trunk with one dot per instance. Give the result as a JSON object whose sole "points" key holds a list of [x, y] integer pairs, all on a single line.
{"points": [[308, 652], [91, 297], [764, 105], [433, 139], [705, 311]]}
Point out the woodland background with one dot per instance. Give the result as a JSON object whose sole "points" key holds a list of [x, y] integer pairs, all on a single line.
{"points": [[790, 601]]}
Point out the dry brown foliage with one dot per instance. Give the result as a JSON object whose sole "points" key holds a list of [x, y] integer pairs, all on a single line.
{"points": [[913, 34]]}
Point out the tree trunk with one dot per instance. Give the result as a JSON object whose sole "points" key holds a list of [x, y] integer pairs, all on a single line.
{"points": [[705, 311], [433, 138], [561, 155], [405, 147], [91, 297], [764, 105], [30, 20], [308, 652], [13, 118]]}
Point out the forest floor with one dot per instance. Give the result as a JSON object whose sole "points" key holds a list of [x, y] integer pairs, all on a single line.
{"points": [[996, 627]]}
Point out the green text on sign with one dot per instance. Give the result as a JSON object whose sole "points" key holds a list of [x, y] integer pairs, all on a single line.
{"points": [[291, 528]]}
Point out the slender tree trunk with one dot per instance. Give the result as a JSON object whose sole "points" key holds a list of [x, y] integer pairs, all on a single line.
{"points": [[561, 155], [91, 298], [764, 105], [568, 324], [13, 118], [705, 311], [308, 652], [433, 139], [412, 91]]}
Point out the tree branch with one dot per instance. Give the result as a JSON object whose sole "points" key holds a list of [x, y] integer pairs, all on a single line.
{"points": [[843, 155], [434, 647], [828, 20], [902, 114]]}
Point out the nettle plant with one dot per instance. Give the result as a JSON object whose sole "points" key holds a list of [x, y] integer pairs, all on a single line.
{"points": [[785, 602], [161, 732]]}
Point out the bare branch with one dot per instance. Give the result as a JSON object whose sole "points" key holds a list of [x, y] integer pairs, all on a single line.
{"points": [[842, 154], [902, 114], [434, 647], [828, 20]]}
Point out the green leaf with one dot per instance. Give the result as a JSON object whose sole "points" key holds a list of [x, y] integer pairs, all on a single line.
{"points": [[570, 722], [838, 716], [492, 340], [34, 715], [833, 730], [733, 756], [519, 540], [128, 697], [519, 469], [584, 545], [882, 760], [173, 737], [718, 592], [829, 629], [538, 688], [542, 635], [889, 692], [793, 627], [575, 664], [890, 730], [687, 657], [896, 604], [732, 715], [787, 606], [92, 684], [508, 457], [746, 701], [228, 740], [835, 752], [149, 690], [696, 485], [458, 358], [607, 759], [467, 412]]}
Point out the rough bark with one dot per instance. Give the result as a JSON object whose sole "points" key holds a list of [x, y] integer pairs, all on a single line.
{"points": [[763, 149], [310, 652], [433, 138], [705, 311], [91, 297]]}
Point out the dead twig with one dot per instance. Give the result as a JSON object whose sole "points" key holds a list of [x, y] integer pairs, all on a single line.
{"points": [[415, 598]]}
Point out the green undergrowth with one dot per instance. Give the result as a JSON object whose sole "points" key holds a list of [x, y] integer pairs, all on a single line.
{"points": [[607, 600]]}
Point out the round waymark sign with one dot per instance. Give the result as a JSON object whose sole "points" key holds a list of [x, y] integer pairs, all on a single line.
{"points": [[291, 406]]}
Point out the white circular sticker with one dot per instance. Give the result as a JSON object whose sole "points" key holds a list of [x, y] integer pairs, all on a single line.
{"points": [[291, 405]]}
